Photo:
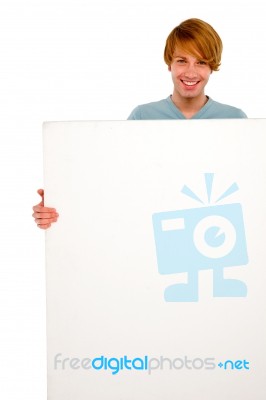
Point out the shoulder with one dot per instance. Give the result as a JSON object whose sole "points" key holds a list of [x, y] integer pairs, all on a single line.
{"points": [[155, 110], [221, 110]]}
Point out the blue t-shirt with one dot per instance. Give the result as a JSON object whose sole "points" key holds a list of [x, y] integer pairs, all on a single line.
{"points": [[165, 109]]}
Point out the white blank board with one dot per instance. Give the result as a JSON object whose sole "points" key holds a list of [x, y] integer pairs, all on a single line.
{"points": [[156, 266]]}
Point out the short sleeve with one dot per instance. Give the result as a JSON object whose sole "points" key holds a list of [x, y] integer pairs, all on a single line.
{"points": [[135, 114]]}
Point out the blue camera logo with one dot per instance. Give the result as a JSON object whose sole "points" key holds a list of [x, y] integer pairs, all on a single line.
{"points": [[209, 237]]}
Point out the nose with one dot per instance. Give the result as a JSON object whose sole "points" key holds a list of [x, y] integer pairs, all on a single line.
{"points": [[190, 71]]}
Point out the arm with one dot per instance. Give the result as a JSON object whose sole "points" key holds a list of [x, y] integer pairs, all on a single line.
{"points": [[44, 216]]}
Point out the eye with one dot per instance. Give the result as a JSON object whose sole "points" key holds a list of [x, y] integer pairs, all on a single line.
{"points": [[181, 61], [201, 62]]}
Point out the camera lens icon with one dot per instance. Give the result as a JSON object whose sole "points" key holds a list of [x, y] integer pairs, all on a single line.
{"points": [[214, 236], [200, 238]]}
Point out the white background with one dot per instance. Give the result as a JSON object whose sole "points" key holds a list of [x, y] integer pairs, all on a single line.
{"points": [[83, 60]]}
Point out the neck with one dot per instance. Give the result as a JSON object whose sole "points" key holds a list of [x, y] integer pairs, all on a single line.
{"points": [[189, 106]]}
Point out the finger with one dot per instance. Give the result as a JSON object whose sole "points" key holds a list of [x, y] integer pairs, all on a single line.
{"points": [[44, 226], [47, 221], [41, 209], [45, 215]]}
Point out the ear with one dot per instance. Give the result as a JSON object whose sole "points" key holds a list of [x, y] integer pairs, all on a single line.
{"points": [[169, 67]]}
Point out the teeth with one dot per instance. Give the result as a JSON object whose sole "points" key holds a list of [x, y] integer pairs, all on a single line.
{"points": [[189, 83]]}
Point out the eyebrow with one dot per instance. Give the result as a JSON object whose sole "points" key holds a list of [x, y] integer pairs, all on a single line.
{"points": [[185, 58], [180, 57]]}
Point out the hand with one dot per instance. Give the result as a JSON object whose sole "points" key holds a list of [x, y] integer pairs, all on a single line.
{"points": [[44, 216]]}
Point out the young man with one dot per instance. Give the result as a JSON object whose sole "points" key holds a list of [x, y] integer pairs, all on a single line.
{"points": [[192, 52]]}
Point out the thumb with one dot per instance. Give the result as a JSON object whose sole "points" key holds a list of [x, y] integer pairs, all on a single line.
{"points": [[41, 193]]}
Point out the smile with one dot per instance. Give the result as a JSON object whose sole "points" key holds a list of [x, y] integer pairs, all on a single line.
{"points": [[188, 83]]}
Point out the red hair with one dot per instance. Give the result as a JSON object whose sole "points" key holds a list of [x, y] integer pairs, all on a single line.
{"points": [[196, 38]]}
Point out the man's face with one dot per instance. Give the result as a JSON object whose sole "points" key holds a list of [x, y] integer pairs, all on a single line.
{"points": [[189, 74]]}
